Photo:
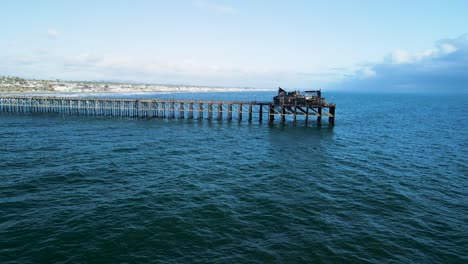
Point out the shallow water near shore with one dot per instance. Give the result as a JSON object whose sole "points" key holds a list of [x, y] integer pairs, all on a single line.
{"points": [[388, 182]]}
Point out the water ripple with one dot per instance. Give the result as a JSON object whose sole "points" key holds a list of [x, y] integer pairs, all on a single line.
{"points": [[390, 189]]}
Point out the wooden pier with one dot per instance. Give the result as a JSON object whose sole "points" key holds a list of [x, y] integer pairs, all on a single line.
{"points": [[159, 108]]}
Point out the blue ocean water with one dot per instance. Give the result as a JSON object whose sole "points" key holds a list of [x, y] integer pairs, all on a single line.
{"points": [[387, 183]]}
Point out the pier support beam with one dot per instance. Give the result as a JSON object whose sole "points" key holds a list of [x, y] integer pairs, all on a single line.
{"points": [[331, 118], [171, 110], [135, 108], [163, 109], [156, 111], [319, 117], [239, 112], [220, 111], [283, 114], [181, 110], [260, 113], [294, 114], [229, 117], [190, 113], [200, 110], [210, 111], [271, 113]]}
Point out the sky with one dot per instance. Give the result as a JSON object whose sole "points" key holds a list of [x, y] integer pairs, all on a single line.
{"points": [[351, 45]]}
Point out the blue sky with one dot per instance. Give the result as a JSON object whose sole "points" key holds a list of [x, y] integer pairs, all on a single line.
{"points": [[298, 44]]}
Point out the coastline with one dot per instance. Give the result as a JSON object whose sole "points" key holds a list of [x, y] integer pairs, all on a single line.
{"points": [[125, 92]]}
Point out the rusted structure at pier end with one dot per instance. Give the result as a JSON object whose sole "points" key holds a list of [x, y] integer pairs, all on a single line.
{"points": [[295, 104]]}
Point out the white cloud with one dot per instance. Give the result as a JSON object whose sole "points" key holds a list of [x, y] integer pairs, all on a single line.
{"points": [[404, 57], [400, 57], [154, 69], [52, 33], [447, 48], [442, 68], [90, 66], [425, 54], [368, 72]]}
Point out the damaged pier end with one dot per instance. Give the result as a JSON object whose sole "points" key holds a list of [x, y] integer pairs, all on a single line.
{"points": [[287, 106], [295, 104]]}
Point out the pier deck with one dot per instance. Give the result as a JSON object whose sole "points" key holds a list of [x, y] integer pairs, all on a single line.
{"points": [[164, 108]]}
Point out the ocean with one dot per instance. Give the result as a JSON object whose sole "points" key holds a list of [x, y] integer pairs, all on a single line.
{"points": [[388, 183]]}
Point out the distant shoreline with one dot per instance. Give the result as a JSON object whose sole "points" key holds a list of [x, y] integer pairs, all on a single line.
{"points": [[25, 86], [122, 93]]}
